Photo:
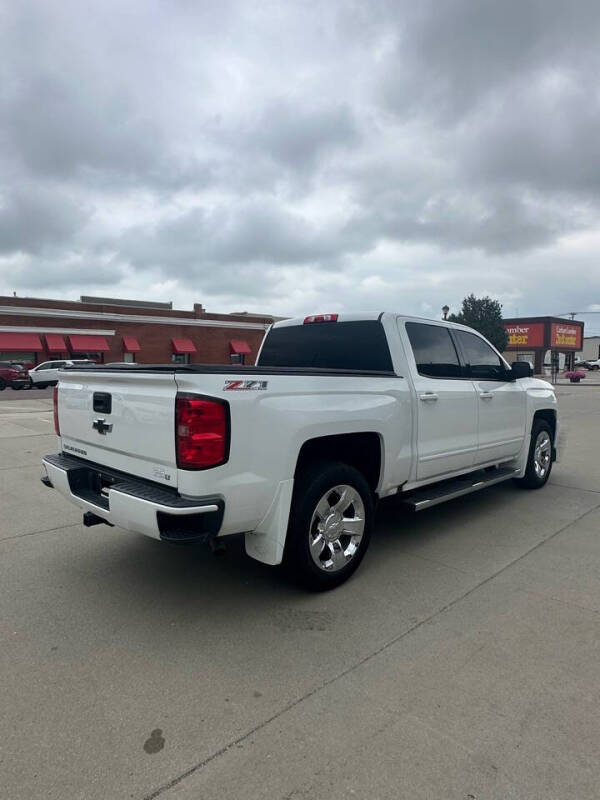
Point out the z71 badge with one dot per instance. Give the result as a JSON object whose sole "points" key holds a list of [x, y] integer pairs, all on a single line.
{"points": [[242, 386]]}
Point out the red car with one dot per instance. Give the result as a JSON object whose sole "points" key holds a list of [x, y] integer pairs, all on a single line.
{"points": [[13, 375]]}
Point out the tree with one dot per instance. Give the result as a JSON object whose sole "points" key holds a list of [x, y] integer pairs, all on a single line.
{"points": [[484, 315]]}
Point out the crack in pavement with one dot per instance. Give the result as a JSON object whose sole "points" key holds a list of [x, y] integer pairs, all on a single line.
{"points": [[28, 435], [575, 488], [365, 659], [37, 533], [23, 466]]}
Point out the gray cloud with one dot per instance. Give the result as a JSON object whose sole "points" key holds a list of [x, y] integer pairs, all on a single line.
{"points": [[258, 230], [296, 136], [45, 276], [452, 57], [390, 153], [34, 217], [549, 143]]}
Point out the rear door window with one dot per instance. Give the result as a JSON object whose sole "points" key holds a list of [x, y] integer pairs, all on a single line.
{"points": [[434, 350]]}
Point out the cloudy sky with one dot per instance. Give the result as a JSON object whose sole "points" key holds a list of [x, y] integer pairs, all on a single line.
{"points": [[301, 156]]}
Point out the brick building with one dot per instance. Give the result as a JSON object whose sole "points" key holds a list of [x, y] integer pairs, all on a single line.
{"points": [[108, 330]]}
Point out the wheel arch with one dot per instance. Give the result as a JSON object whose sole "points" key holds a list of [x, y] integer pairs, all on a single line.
{"points": [[547, 415], [363, 451]]}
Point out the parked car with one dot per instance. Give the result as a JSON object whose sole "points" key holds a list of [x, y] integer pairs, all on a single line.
{"points": [[13, 375], [339, 412], [27, 365], [589, 364], [46, 373]]}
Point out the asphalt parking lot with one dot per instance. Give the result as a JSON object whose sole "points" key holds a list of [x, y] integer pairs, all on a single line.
{"points": [[11, 395], [462, 661]]}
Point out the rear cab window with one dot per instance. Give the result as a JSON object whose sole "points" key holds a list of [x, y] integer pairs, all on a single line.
{"points": [[354, 345]]}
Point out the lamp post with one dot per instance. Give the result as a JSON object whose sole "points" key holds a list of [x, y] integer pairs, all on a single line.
{"points": [[445, 310]]}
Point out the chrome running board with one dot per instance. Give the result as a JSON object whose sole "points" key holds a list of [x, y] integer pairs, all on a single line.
{"points": [[437, 493]]}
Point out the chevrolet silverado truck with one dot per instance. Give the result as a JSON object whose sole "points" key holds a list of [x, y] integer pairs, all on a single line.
{"points": [[340, 411]]}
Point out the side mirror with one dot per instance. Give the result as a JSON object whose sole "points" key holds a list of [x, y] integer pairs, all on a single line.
{"points": [[520, 369]]}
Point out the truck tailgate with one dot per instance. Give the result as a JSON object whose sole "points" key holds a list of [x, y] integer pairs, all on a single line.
{"points": [[121, 420]]}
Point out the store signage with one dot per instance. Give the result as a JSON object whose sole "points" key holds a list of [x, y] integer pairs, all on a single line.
{"points": [[564, 335], [525, 334]]}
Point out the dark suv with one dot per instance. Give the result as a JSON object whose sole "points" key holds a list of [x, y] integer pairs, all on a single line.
{"points": [[13, 375]]}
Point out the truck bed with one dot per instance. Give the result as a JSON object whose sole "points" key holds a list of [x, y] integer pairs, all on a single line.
{"points": [[232, 369]]}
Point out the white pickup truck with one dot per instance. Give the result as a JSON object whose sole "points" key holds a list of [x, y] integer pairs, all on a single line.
{"points": [[339, 411]]}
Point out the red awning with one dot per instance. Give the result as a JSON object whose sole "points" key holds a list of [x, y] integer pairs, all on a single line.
{"points": [[239, 347], [55, 343], [88, 344], [183, 346], [131, 344], [21, 342]]}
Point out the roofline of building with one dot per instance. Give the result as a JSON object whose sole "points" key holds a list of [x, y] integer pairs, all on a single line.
{"points": [[49, 329], [544, 319], [29, 303], [61, 313]]}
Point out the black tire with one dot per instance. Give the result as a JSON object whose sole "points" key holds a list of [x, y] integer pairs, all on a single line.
{"points": [[2, 385], [318, 481], [595, 367], [40, 385], [532, 479], [17, 388]]}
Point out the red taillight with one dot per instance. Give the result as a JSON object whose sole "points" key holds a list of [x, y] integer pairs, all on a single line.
{"points": [[201, 431], [321, 318], [55, 402]]}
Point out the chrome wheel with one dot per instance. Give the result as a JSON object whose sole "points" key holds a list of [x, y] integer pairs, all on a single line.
{"points": [[337, 527], [542, 454]]}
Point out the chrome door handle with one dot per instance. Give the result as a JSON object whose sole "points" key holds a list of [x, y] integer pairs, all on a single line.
{"points": [[486, 395], [428, 396]]}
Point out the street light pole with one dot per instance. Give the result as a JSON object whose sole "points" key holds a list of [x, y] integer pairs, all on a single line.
{"points": [[445, 310]]}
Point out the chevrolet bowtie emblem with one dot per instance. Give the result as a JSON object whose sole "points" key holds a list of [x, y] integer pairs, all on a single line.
{"points": [[102, 426]]}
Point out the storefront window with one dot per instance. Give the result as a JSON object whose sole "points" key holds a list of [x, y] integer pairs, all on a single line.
{"points": [[97, 357], [180, 358], [18, 357]]}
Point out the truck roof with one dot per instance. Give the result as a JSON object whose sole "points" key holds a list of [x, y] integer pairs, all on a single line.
{"points": [[359, 316]]}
